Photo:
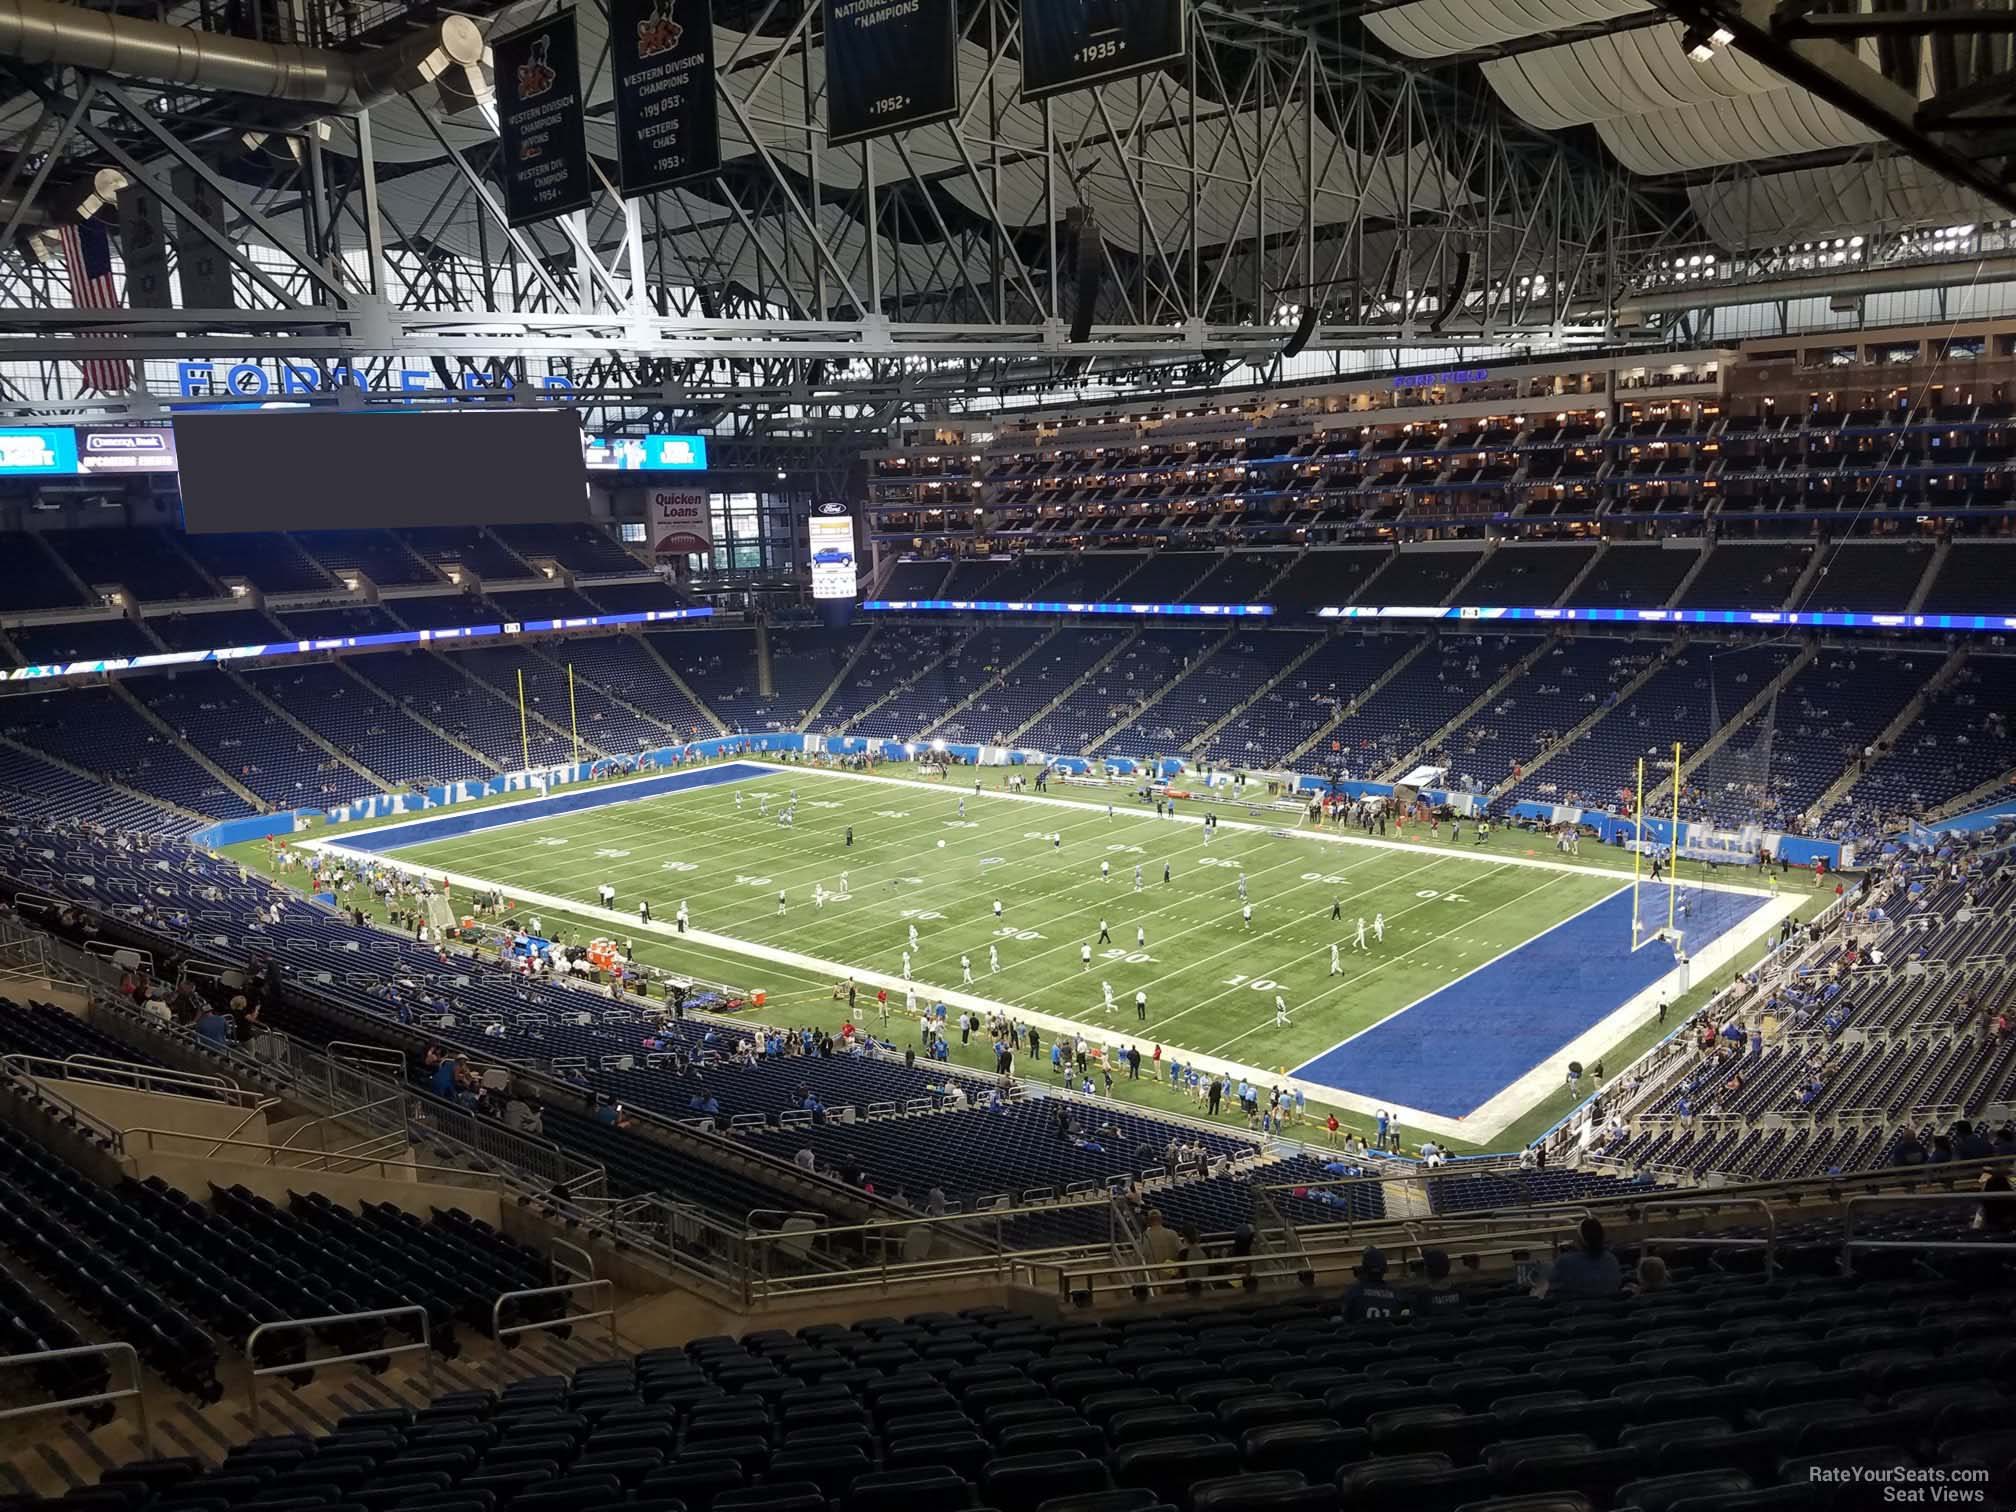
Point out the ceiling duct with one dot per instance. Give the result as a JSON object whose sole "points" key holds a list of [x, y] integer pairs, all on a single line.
{"points": [[39, 31]]}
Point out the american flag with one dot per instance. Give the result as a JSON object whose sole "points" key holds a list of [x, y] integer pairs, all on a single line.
{"points": [[87, 253]]}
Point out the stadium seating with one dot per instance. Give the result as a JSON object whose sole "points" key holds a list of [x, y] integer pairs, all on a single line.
{"points": [[80, 640], [258, 747], [1421, 697], [149, 564], [272, 563], [1635, 576], [1208, 1403], [578, 548], [366, 727], [460, 548], [380, 555], [96, 729]]}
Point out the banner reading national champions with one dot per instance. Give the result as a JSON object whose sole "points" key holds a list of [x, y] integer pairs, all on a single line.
{"points": [[540, 129], [662, 61], [1072, 44], [890, 65]]}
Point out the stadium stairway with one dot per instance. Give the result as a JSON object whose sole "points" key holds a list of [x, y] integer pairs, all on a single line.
{"points": [[1345, 709], [100, 779], [1204, 738], [1749, 711], [1455, 593], [1126, 720], [1090, 672], [57, 1456], [840, 676], [545, 654], [279, 711], [1816, 561], [997, 680], [1587, 723], [904, 684], [1567, 595], [1686, 583], [510, 697], [1930, 576], [1470, 711], [123, 692], [1852, 770], [407, 712], [692, 693]]}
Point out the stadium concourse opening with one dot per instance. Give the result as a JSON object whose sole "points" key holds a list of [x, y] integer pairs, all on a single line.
{"points": [[1224, 947]]}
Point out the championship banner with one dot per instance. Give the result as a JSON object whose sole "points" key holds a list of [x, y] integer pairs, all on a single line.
{"points": [[544, 157], [890, 65], [681, 522], [662, 62], [1074, 44], [143, 247], [205, 272]]}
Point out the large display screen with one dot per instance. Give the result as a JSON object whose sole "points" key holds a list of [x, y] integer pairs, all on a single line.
{"points": [[371, 470], [37, 451], [654, 453], [832, 544]]}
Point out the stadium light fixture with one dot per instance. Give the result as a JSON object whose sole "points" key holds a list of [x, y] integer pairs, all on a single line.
{"points": [[1701, 43]]}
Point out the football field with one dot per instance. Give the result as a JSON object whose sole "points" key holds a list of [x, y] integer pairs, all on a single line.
{"points": [[1494, 962]]}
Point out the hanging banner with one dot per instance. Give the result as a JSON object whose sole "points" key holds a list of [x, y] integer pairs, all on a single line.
{"points": [[680, 521], [662, 61], [143, 248], [205, 271], [544, 157], [890, 65], [1074, 44]]}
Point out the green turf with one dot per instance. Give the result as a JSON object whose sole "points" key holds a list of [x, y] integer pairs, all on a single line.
{"points": [[1197, 942], [1211, 977]]}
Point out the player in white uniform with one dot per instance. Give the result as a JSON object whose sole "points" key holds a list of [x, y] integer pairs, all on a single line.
{"points": [[906, 964], [1242, 887], [1105, 870], [962, 808], [1246, 915], [818, 895], [966, 970], [1106, 995], [607, 894], [997, 908], [1358, 943], [1085, 957], [845, 890], [738, 803], [1336, 966], [1140, 936], [1281, 1019], [913, 936], [780, 902], [1379, 927], [1137, 878], [993, 958]]}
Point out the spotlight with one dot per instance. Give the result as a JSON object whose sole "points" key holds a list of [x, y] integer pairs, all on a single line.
{"points": [[1701, 44]]}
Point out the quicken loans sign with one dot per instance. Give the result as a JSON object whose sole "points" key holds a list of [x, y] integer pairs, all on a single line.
{"points": [[205, 379]]}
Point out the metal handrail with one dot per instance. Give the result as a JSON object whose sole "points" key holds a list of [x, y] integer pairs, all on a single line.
{"points": [[119, 1351], [1850, 1244], [256, 1111], [102, 1065], [387, 1167], [1769, 1243], [500, 1333], [287, 1325], [587, 1255]]}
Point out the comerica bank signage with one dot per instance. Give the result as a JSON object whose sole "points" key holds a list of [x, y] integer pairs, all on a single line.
{"points": [[204, 379]]}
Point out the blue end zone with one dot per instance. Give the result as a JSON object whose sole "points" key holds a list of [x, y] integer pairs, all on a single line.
{"points": [[449, 826], [1460, 1046]]}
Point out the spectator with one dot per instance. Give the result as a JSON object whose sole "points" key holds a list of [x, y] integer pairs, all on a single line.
{"points": [[1909, 1151], [1370, 1299], [1995, 1216], [1651, 1275], [1588, 1271], [1159, 1247], [213, 1027], [1439, 1298], [1969, 1143]]}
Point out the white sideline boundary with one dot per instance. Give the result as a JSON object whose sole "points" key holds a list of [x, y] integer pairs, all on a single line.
{"points": [[1481, 1125]]}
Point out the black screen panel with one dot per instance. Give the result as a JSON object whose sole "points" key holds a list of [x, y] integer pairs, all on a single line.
{"points": [[337, 470]]}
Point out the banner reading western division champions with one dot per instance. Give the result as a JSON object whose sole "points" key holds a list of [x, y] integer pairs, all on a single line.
{"points": [[1072, 44], [662, 60], [890, 65], [544, 159]]}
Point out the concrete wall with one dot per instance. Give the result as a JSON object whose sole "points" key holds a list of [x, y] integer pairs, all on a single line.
{"points": [[124, 1108]]}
